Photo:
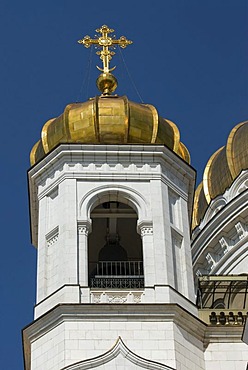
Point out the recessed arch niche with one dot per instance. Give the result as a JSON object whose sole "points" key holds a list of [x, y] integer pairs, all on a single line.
{"points": [[115, 247]]}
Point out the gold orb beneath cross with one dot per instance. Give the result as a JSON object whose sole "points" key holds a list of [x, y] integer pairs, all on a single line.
{"points": [[106, 83]]}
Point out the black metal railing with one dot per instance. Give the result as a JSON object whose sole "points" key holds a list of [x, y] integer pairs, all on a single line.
{"points": [[227, 292], [118, 274]]}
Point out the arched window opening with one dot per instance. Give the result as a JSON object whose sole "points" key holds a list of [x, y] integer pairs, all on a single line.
{"points": [[115, 248]]}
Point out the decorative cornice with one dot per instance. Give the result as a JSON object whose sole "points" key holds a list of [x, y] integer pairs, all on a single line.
{"points": [[219, 255], [134, 151], [84, 312], [52, 237], [139, 161], [223, 334], [216, 226]]}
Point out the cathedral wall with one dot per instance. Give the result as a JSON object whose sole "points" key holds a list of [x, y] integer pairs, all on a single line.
{"points": [[226, 356], [189, 349], [57, 248], [48, 351], [221, 245], [163, 342], [241, 265], [149, 183]]}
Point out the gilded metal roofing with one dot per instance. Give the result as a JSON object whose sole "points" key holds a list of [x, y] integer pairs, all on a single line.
{"points": [[108, 120], [223, 167]]}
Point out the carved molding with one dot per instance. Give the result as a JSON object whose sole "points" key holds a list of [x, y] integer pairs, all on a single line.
{"points": [[225, 244], [105, 167], [224, 247], [84, 228], [145, 227], [120, 193], [118, 297], [146, 231], [53, 236], [177, 238], [240, 230], [210, 260]]}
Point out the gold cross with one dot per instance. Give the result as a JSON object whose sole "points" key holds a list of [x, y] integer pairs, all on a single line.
{"points": [[106, 42]]}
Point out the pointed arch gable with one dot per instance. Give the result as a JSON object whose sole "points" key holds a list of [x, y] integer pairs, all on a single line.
{"points": [[119, 348]]}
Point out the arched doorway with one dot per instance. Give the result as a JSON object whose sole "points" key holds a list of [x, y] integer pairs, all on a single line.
{"points": [[115, 248]]}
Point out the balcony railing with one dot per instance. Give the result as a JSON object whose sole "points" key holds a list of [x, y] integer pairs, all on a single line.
{"points": [[118, 274], [227, 292]]}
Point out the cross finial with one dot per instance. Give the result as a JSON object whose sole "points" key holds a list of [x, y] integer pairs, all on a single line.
{"points": [[106, 40]]}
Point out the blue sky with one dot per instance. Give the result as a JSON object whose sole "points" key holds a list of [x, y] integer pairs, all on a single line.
{"points": [[189, 59]]}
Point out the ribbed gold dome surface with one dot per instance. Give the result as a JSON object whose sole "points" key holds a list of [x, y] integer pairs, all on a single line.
{"points": [[222, 169], [108, 120]]}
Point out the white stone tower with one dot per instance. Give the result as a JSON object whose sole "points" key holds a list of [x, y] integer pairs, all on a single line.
{"points": [[111, 193]]}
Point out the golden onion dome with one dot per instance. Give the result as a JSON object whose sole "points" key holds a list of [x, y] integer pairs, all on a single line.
{"points": [[108, 119], [223, 167]]}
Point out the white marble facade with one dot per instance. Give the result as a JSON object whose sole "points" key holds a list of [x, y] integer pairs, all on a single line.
{"points": [[75, 336], [65, 188], [73, 180], [77, 327], [220, 242]]}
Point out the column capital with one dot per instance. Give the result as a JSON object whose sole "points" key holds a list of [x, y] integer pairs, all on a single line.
{"points": [[145, 227], [84, 227]]}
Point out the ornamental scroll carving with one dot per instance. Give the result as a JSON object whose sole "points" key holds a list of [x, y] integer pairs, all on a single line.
{"points": [[116, 297]]}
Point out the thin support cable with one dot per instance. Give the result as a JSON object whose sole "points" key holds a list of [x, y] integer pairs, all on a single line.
{"points": [[129, 75], [88, 81], [86, 76], [121, 70]]}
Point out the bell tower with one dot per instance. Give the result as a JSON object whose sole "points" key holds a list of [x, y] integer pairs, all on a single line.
{"points": [[111, 193]]}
